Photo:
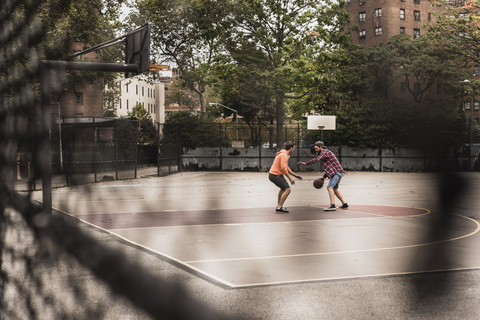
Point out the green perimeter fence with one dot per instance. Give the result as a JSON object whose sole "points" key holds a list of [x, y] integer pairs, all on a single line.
{"points": [[88, 150]]}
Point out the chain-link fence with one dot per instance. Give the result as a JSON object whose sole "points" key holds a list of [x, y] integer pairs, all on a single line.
{"points": [[240, 147], [51, 266]]}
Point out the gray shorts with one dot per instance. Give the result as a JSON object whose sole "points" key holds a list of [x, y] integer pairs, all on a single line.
{"points": [[279, 180]]}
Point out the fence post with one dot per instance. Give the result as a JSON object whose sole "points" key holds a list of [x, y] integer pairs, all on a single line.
{"points": [[220, 149], [43, 147], [136, 146], [158, 148], [94, 150], [179, 160], [67, 156], [381, 159], [298, 144], [259, 148], [116, 149]]}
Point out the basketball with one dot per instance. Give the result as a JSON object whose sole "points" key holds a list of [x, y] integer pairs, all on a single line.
{"points": [[318, 183]]}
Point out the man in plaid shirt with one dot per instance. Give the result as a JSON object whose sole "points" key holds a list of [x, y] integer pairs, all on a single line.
{"points": [[333, 171]]}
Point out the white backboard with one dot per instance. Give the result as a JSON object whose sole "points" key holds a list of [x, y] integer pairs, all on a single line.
{"points": [[321, 122]]}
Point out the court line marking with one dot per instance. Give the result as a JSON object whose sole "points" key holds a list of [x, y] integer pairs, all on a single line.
{"points": [[233, 286], [427, 211], [348, 251], [372, 216], [166, 256], [120, 185], [375, 275]]}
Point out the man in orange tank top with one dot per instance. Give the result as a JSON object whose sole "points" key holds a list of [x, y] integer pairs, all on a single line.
{"points": [[277, 174]]}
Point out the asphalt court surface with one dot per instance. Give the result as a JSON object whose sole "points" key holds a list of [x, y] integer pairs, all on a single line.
{"points": [[253, 246]]}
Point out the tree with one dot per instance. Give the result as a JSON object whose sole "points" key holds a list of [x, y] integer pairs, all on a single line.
{"points": [[89, 22], [189, 131], [458, 26], [420, 64], [178, 94], [147, 132], [187, 34], [244, 86], [290, 36]]}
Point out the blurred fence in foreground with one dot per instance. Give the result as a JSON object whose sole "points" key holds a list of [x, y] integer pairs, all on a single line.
{"points": [[50, 267]]}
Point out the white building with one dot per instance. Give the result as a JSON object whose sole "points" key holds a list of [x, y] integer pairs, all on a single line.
{"points": [[137, 91]]}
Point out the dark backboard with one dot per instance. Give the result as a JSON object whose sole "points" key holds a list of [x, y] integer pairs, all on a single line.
{"points": [[137, 50]]}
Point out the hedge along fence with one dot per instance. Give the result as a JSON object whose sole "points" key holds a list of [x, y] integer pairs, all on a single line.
{"points": [[352, 159]]}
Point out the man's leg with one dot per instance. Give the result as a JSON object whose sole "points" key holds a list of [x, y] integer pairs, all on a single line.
{"points": [[331, 195], [339, 196], [282, 196]]}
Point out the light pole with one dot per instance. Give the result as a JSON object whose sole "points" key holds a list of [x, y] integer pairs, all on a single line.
{"points": [[236, 115]]}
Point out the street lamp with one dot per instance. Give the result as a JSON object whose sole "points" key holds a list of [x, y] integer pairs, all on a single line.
{"points": [[236, 115]]}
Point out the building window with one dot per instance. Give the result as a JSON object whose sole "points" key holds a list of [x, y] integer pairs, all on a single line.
{"points": [[127, 105], [466, 105], [402, 14], [78, 98], [429, 16], [416, 33], [476, 105], [120, 105], [378, 31], [403, 87], [362, 17], [347, 3], [361, 2], [362, 34], [416, 1], [416, 15], [402, 30], [377, 12], [476, 71]]}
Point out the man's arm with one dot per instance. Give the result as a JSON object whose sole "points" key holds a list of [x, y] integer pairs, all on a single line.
{"points": [[309, 162], [290, 171]]}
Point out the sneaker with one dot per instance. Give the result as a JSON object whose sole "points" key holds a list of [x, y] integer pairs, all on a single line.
{"points": [[331, 208], [281, 210], [344, 206]]}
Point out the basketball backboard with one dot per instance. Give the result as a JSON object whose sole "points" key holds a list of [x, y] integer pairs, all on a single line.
{"points": [[321, 122], [137, 50]]}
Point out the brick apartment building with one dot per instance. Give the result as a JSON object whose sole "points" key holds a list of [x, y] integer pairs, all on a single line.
{"points": [[81, 99], [379, 20]]}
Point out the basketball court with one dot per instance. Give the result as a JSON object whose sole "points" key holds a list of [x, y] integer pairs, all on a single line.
{"points": [[223, 227]]}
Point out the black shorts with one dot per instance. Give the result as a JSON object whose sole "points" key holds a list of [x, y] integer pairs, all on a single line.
{"points": [[279, 180]]}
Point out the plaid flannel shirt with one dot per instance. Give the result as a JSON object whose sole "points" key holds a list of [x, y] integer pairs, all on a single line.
{"points": [[330, 163]]}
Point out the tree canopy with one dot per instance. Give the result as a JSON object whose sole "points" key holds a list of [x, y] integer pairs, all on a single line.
{"points": [[276, 60]]}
